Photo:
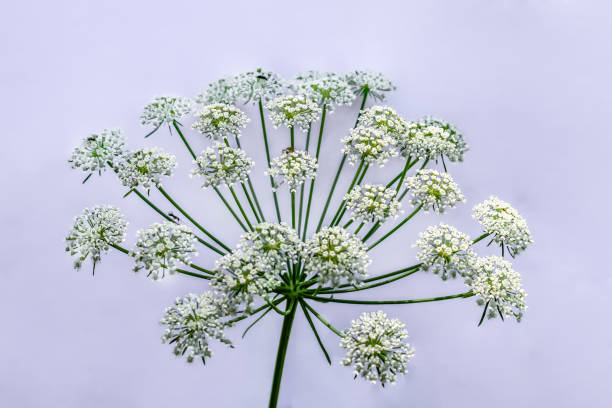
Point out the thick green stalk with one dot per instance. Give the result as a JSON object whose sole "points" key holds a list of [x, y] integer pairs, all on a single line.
{"points": [[194, 222], [340, 166], [398, 226], [312, 182], [281, 353], [265, 137], [231, 189], [390, 302]]}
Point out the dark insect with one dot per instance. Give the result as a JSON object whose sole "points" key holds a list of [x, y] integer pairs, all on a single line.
{"points": [[174, 217], [289, 150], [91, 139], [262, 77]]}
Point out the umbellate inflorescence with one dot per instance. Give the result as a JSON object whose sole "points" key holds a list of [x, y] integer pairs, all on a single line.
{"points": [[373, 202], [93, 232], [336, 256], [505, 224], [165, 109], [221, 164], [145, 168], [446, 251], [375, 84], [220, 120], [190, 324], [99, 151], [376, 348], [162, 248], [281, 268], [292, 168], [498, 287], [433, 190], [292, 111], [369, 144]]}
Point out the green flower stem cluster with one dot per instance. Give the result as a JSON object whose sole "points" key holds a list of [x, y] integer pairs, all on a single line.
{"points": [[277, 267]]}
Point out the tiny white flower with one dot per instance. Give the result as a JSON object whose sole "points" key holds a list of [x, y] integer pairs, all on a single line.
{"points": [[324, 89], [292, 111], [224, 90], [433, 190], [430, 138], [99, 151], [219, 120], [221, 164], [165, 109], [373, 202], [145, 167], [292, 168], [374, 83], [386, 119], [370, 145], [258, 85]]}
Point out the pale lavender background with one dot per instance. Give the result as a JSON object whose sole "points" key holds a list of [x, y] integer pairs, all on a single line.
{"points": [[528, 82]]}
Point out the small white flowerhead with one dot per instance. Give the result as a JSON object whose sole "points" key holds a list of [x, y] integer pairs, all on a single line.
{"points": [[376, 348], [224, 90], [433, 190], [221, 164], [324, 89], [98, 151], [446, 251], [220, 120], [292, 111], [370, 145], [373, 202], [243, 274], [498, 288], [163, 248], [506, 225], [292, 168], [430, 139], [191, 322], [145, 167], [165, 109], [374, 84], [93, 232], [335, 256], [276, 242], [258, 85], [386, 119]]}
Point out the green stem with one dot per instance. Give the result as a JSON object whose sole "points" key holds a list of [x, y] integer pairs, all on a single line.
{"points": [[480, 238], [302, 186], [375, 278], [178, 129], [390, 302], [281, 353], [398, 226], [231, 189], [261, 215], [314, 330], [374, 285], [357, 173], [340, 166], [325, 322], [230, 209], [248, 197], [265, 137], [312, 181]]}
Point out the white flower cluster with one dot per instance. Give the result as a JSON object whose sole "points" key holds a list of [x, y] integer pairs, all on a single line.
{"points": [[374, 83], [276, 242], [258, 85], [505, 224], [434, 190], [376, 348], [498, 287], [431, 138], [165, 109], [292, 111], [370, 145], [223, 90], [293, 168], [446, 252], [335, 256], [191, 322], [221, 164], [219, 119], [145, 167], [163, 248], [93, 232], [386, 119], [99, 150], [373, 202], [324, 89]]}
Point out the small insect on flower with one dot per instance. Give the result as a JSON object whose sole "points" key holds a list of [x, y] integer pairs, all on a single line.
{"points": [[373, 202], [292, 111], [374, 84], [433, 190], [370, 145], [219, 120], [99, 151], [446, 251], [498, 288], [191, 322], [165, 109], [376, 348], [145, 168], [508, 228], [335, 256], [258, 85], [93, 232], [163, 248], [221, 164], [292, 168]]}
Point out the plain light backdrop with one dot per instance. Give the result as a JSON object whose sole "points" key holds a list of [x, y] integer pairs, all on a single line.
{"points": [[527, 82]]}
